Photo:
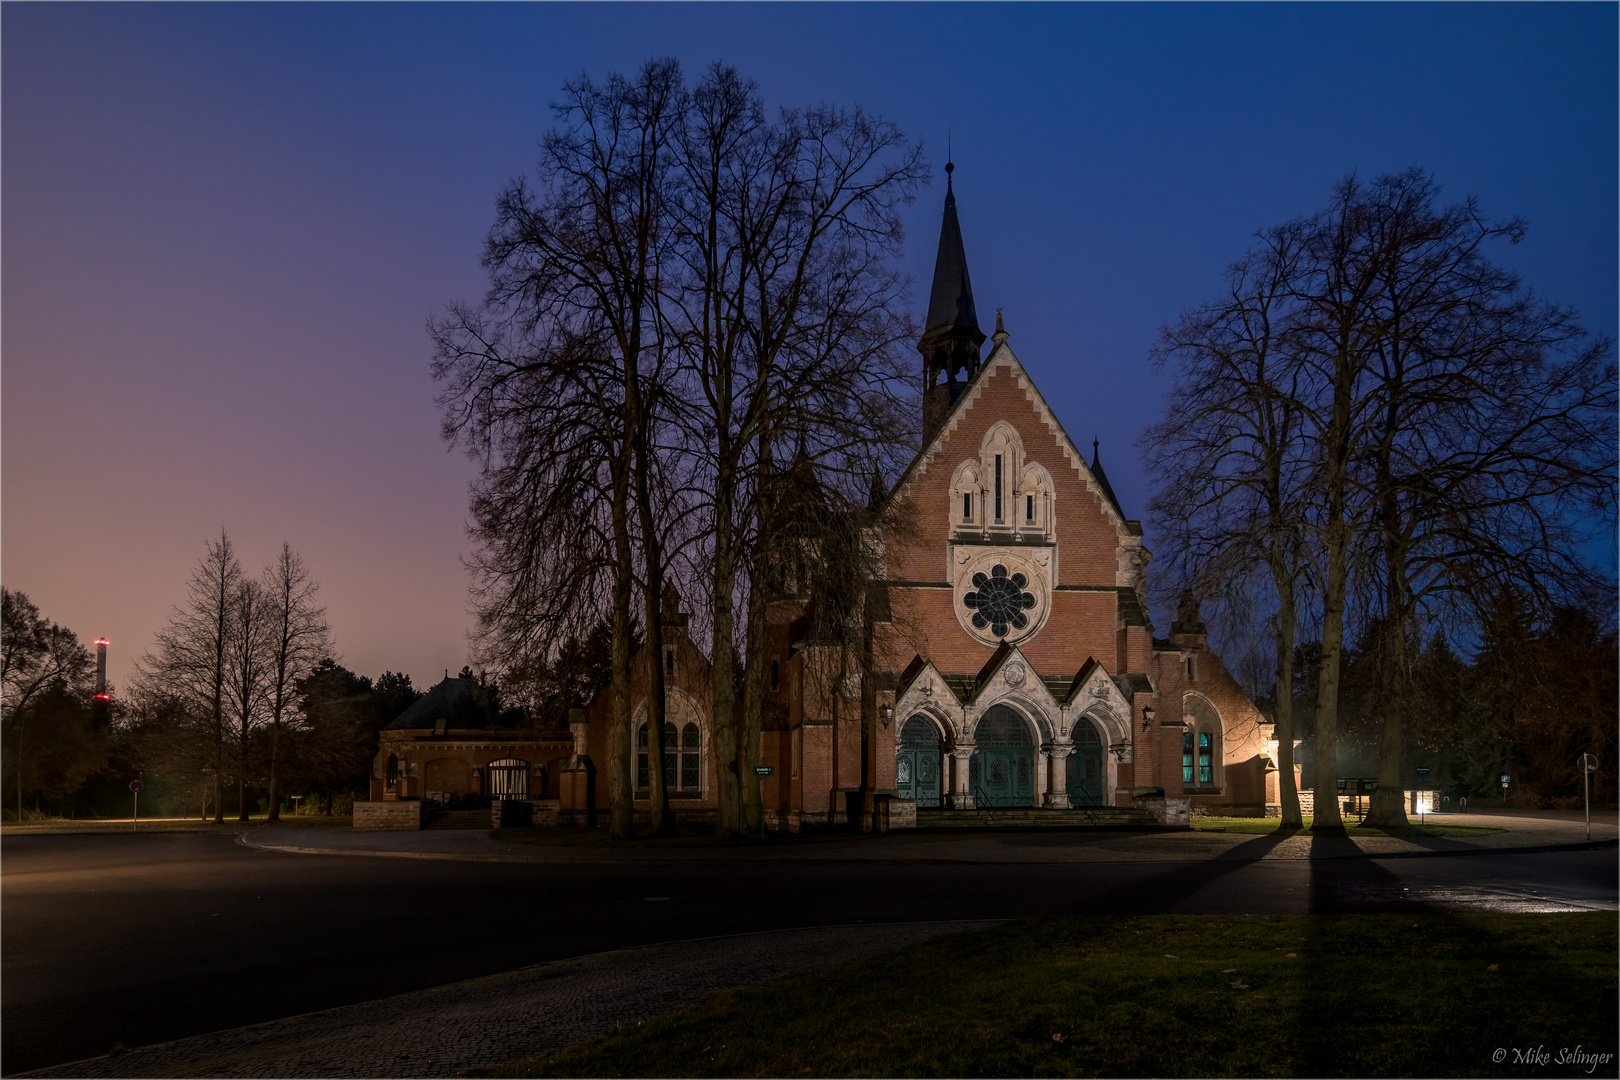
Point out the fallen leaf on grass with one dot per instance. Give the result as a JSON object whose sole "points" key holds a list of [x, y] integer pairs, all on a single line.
{"points": [[1292, 955], [1491, 968], [1238, 985], [1168, 956], [1057, 1038], [1229, 971]]}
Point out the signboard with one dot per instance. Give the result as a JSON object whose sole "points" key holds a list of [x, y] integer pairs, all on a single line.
{"points": [[1505, 779], [135, 786], [1587, 763], [1423, 770], [763, 770]]}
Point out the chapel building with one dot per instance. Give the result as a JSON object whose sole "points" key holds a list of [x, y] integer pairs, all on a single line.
{"points": [[1020, 664]]}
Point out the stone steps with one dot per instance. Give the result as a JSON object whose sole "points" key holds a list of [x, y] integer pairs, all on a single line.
{"points": [[1103, 817]]}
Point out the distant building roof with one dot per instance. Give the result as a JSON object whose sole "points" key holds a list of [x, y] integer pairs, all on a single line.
{"points": [[455, 703]]}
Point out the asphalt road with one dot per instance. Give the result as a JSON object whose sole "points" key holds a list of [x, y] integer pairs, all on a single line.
{"points": [[129, 940]]}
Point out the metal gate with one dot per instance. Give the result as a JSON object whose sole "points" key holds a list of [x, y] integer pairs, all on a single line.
{"points": [[508, 778]]}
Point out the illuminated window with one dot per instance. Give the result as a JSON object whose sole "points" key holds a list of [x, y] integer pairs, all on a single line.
{"points": [[1206, 764], [1186, 757]]}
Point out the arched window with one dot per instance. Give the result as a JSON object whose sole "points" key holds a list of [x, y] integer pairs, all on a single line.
{"points": [[1186, 756], [393, 772], [1201, 742], [1206, 766], [683, 758], [691, 758]]}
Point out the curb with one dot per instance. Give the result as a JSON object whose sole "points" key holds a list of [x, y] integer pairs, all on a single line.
{"points": [[634, 859]]}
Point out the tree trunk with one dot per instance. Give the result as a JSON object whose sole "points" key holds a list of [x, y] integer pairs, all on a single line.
{"points": [[1288, 791], [753, 810], [275, 753], [1326, 815], [1388, 810], [621, 782], [662, 819], [723, 687]]}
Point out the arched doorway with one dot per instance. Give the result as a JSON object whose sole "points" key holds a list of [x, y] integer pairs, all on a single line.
{"points": [[916, 762], [1002, 769], [1083, 769]]}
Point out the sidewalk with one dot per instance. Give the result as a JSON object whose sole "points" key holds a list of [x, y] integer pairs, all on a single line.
{"points": [[1520, 833]]}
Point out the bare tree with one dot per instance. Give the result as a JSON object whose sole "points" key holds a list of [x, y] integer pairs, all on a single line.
{"points": [[188, 659], [248, 669], [784, 311], [1231, 466], [571, 322], [298, 640]]}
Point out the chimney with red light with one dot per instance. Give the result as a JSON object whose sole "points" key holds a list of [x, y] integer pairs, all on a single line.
{"points": [[101, 669]]}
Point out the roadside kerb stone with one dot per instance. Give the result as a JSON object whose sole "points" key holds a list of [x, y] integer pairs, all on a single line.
{"points": [[527, 1013], [1519, 835]]}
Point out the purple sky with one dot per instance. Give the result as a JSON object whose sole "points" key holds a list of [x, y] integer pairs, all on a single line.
{"points": [[224, 227]]}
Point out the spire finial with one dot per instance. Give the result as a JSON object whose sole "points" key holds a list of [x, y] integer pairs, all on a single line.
{"points": [[1094, 450], [1001, 330], [950, 166]]}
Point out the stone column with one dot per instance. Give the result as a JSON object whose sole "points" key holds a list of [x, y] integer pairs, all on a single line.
{"points": [[1057, 791], [1043, 762], [961, 791]]}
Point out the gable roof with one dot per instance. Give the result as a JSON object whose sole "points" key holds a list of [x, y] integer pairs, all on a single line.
{"points": [[1002, 355]]}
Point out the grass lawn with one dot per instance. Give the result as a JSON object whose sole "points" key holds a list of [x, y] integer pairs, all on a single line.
{"points": [[1359, 995], [1266, 826]]}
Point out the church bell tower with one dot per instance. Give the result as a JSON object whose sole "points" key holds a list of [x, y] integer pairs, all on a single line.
{"points": [[951, 339]]}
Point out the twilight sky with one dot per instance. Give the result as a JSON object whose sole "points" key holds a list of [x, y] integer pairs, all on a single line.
{"points": [[224, 228]]}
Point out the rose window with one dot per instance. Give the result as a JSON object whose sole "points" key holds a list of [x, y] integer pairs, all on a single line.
{"points": [[999, 601]]}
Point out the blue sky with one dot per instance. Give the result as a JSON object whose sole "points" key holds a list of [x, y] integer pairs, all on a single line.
{"points": [[224, 227]]}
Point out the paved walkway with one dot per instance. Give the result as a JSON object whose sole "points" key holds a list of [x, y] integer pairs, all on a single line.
{"points": [[1520, 832], [528, 1013]]}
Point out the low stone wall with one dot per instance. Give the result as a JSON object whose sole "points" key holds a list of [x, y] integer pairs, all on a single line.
{"points": [[1176, 813], [404, 815], [520, 813], [897, 814]]}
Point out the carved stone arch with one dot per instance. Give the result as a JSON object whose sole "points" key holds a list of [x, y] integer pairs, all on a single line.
{"points": [[1001, 441], [1038, 509], [1040, 725], [1112, 728], [967, 483]]}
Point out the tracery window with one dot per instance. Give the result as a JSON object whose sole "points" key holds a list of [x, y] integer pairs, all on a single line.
{"points": [[1206, 767], [683, 757], [1186, 757], [999, 601]]}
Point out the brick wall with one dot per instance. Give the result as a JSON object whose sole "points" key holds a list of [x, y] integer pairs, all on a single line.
{"points": [[404, 815]]}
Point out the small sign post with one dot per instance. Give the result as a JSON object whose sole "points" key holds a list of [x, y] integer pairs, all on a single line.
{"points": [[1588, 765], [763, 770], [135, 817]]}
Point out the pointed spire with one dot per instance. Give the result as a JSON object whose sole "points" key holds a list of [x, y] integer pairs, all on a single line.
{"points": [[950, 301], [879, 491], [1000, 336], [1102, 479]]}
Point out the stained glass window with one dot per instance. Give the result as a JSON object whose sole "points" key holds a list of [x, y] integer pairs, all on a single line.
{"points": [[1206, 767], [690, 756], [1186, 757], [999, 601]]}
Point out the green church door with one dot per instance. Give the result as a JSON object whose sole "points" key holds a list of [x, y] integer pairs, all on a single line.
{"points": [[1083, 769], [916, 762], [1001, 771]]}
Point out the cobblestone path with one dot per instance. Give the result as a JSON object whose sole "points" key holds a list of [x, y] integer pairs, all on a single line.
{"points": [[530, 1012]]}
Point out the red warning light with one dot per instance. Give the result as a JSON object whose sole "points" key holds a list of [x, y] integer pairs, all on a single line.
{"points": [[103, 697], [102, 642]]}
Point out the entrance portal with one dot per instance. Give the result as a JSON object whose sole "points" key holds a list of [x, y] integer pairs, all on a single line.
{"points": [[1083, 769], [916, 762], [1002, 769]]}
